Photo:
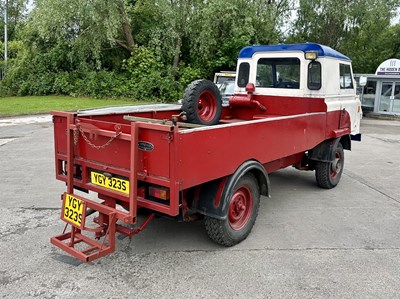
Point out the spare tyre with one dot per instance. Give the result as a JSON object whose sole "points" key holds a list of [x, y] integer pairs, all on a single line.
{"points": [[202, 103]]}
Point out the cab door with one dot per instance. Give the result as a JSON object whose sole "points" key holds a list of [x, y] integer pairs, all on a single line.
{"points": [[350, 104]]}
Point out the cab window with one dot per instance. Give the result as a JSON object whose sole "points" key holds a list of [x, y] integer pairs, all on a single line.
{"points": [[243, 76], [346, 81], [314, 75], [278, 73]]}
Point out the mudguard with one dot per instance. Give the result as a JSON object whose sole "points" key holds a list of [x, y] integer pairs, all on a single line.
{"points": [[325, 151], [212, 198]]}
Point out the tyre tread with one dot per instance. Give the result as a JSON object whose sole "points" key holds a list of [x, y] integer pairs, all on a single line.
{"points": [[322, 172], [321, 168], [216, 228], [190, 98]]}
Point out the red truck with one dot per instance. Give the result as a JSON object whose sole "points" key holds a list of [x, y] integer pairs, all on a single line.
{"points": [[294, 105]]}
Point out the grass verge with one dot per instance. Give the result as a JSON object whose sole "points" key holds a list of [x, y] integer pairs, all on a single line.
{"points": [[12, 106]]}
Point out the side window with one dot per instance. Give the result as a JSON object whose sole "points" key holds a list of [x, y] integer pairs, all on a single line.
{"points": [[314, 75], [278, 73], [243, 76], [346, 80], [264, 75]]}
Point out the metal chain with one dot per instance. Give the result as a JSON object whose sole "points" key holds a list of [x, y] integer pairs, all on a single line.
{"points": [[76, 137]]}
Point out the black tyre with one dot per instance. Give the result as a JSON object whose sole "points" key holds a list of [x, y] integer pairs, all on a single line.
{"points": [[202, 102], [328, 174], [241, 214]]}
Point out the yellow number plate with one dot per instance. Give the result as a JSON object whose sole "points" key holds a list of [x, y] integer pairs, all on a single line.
{"points": [[115, 184], [73, 210]]}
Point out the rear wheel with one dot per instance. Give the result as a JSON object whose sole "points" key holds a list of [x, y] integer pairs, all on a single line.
{"points": [[202, 103], [328, 174], [241, 214]]}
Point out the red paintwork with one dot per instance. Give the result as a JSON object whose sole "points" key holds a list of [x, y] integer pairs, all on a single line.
{"points": [[183, 158], [240, 208], [272, 140], [281, 105], [207, 105], [217, 199], [337, 124], [250, 88], [337, 165], [247, 101]]}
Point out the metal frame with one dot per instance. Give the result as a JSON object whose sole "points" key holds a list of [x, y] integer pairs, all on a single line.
{"points": [[108, 214]]}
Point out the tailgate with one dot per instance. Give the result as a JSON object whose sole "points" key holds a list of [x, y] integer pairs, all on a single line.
{"points": [[109, 158]]}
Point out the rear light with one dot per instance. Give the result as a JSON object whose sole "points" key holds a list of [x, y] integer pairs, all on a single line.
{"points": [[159, 192]]}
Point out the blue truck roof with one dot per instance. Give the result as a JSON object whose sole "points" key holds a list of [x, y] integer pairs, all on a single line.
{"points": [[247, 52]]}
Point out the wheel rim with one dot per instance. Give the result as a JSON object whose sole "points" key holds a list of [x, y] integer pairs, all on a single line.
{"points": [[207, 106], [240, 208], [336, 166]]}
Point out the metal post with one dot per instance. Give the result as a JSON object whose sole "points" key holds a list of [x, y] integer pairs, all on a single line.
{"points": [[5, 32]]}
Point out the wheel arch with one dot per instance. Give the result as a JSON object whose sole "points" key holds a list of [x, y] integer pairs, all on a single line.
{"points": [[212, 198], [325, 151]]}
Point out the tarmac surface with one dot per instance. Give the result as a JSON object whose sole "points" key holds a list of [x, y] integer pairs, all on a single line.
{"points": [[307, 242]]}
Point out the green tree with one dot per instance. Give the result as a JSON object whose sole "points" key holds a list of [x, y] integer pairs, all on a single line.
{"points": [[17, 12], [390, 42], [86, 28], [357, 28], [221, 28], [372, 39], [163, 26]]}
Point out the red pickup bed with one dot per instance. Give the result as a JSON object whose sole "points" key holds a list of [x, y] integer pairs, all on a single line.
{"points": [[171, 157]]}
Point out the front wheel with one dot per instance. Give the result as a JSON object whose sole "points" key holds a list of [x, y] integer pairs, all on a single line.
{"points": [[328, 173], [241, 214]]}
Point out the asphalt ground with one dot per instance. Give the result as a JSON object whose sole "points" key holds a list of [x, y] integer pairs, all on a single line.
{"points": [[306, 243]]}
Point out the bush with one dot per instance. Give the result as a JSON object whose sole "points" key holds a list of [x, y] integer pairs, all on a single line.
{"points": [[93, 84], [148, 78], [144, 77], [99, 84]]}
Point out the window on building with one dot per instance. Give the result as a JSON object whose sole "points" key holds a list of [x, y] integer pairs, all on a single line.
{"points": [[278, 73], [314, 75], [368, 96], [346, 80], [243, 76], [396, 99]]}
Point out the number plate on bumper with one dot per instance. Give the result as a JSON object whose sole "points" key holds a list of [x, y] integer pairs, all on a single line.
{"points": [[112, 183], [74, 210]]}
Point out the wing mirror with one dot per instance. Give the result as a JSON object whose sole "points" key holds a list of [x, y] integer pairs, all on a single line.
{"points": [[362, 82], [250, 88]]}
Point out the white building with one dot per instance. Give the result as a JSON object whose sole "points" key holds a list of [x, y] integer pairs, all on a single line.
{"points": [[381, 94]]}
